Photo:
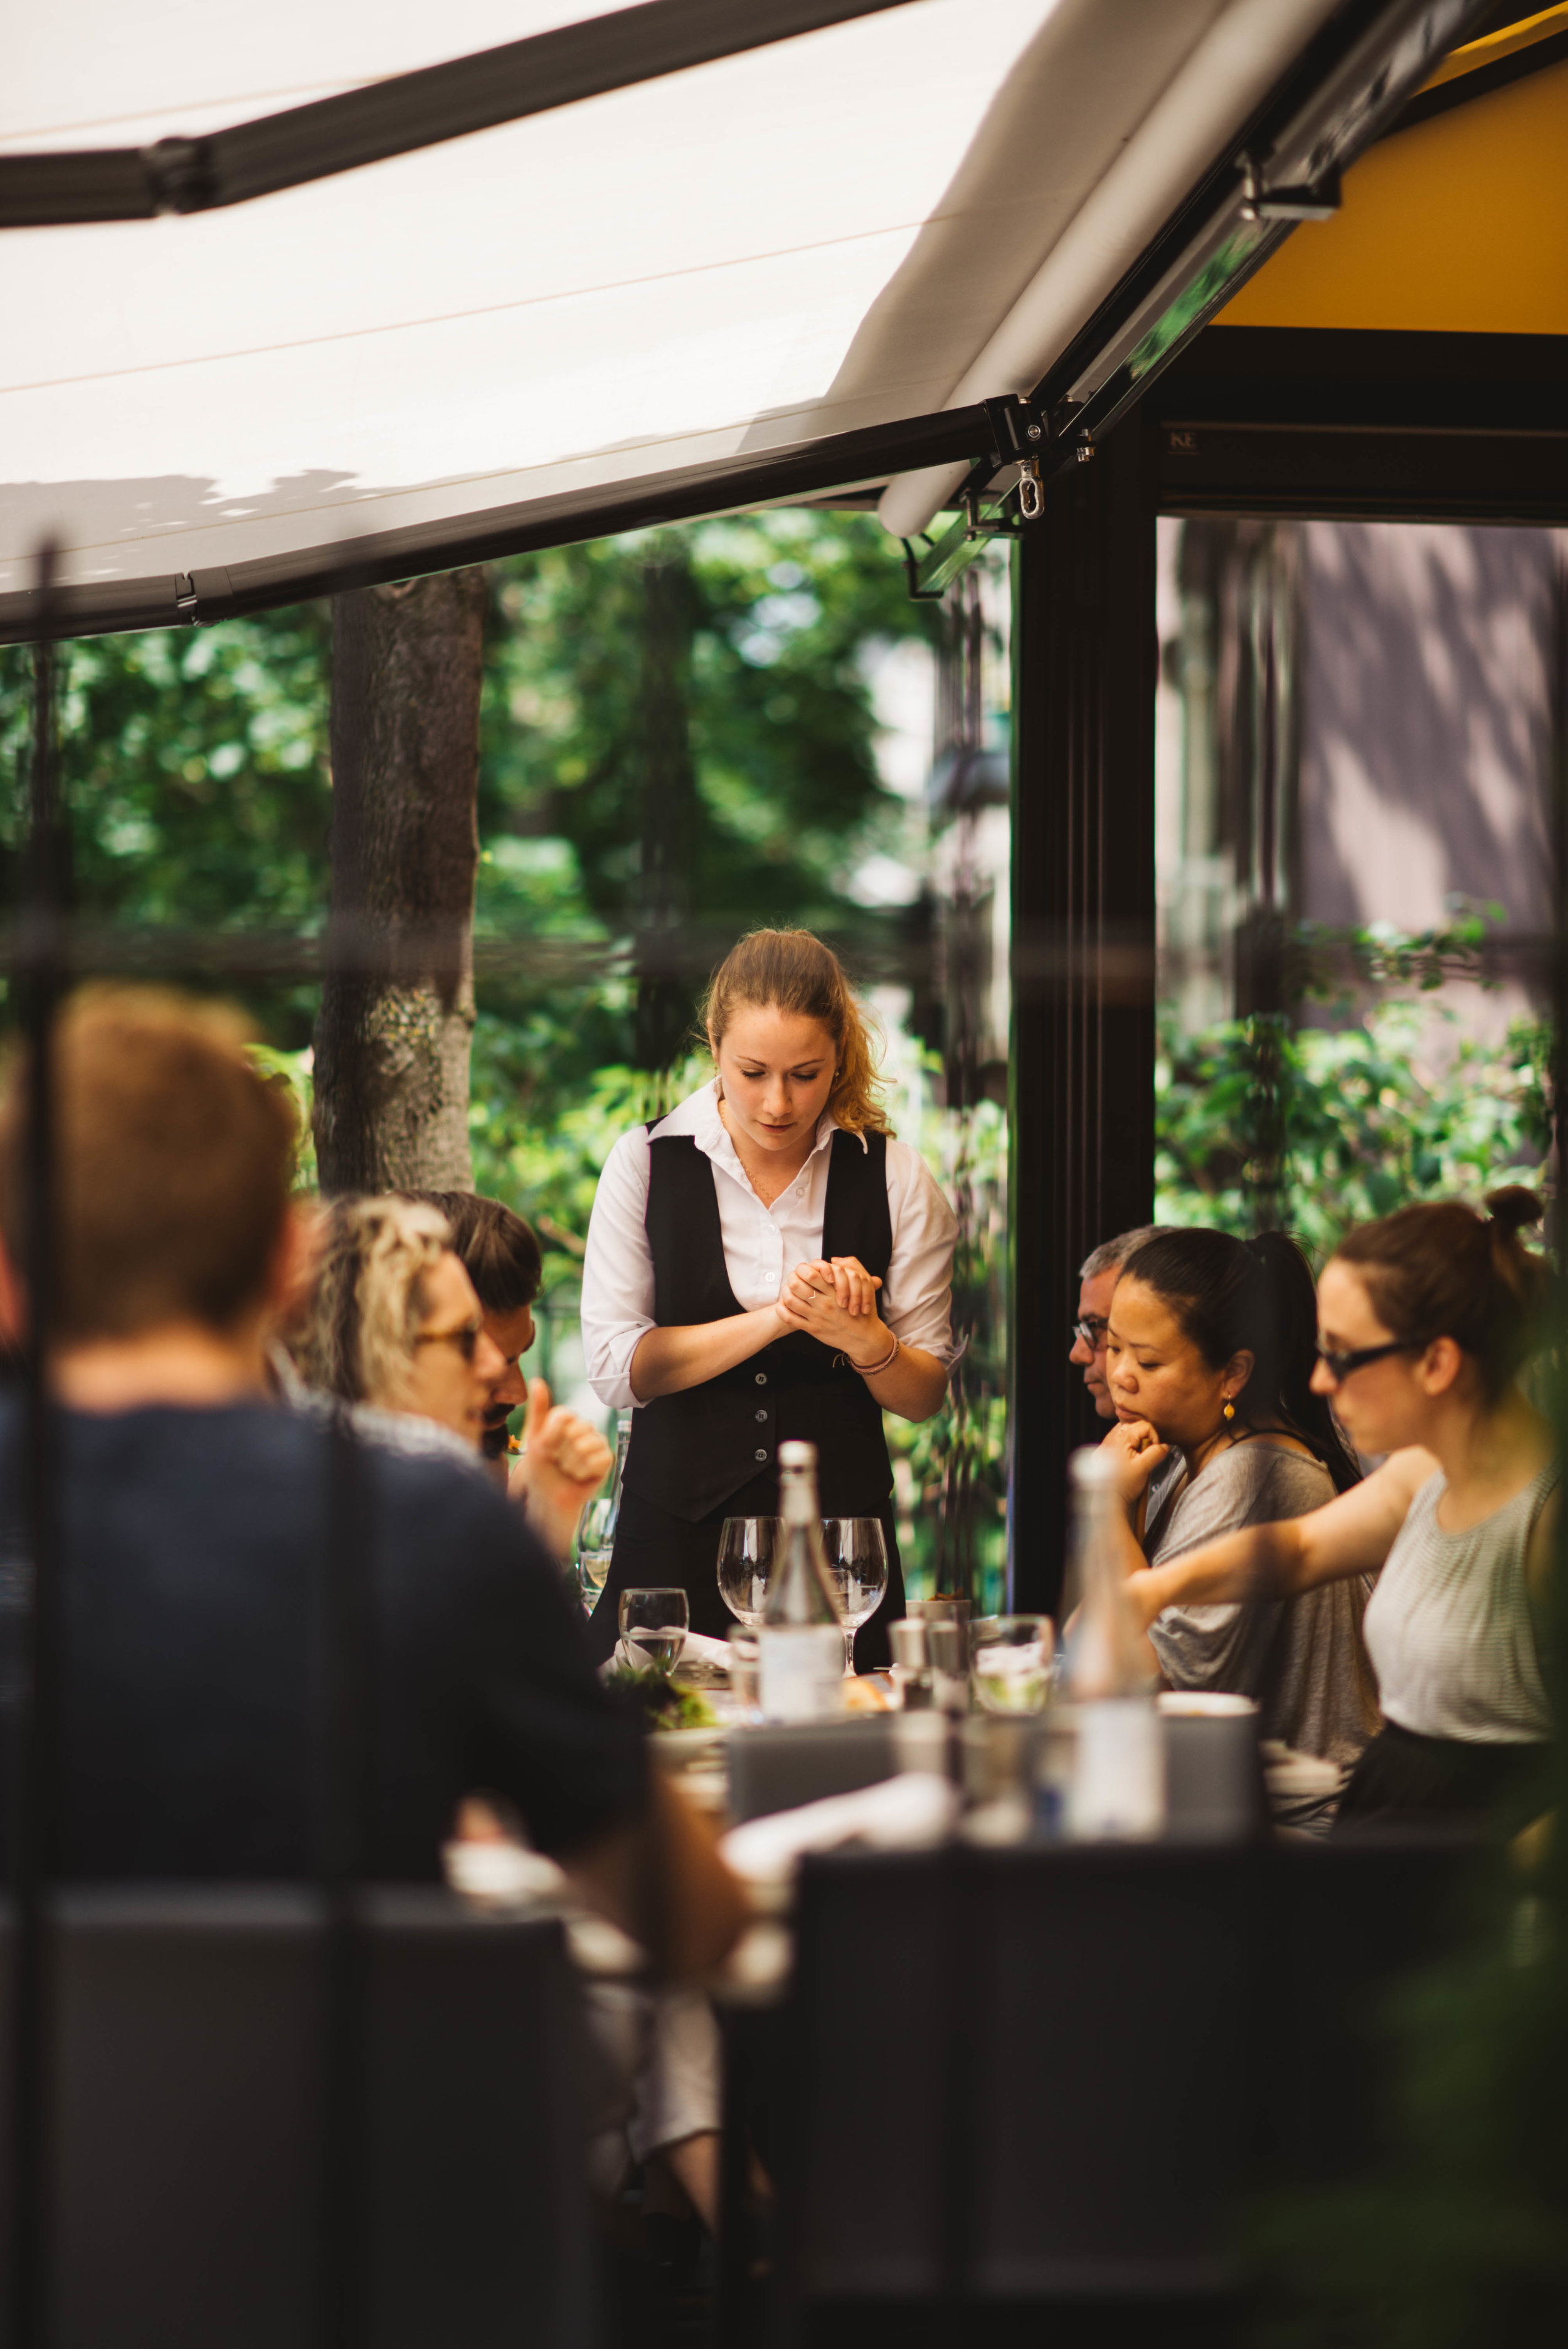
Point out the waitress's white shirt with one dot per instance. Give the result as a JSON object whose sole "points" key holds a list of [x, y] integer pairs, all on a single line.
{"points": [[762, 1245]]}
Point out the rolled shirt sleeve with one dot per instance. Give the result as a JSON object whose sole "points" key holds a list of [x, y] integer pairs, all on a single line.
{"points": [[618, 1272], [917, 1299]]}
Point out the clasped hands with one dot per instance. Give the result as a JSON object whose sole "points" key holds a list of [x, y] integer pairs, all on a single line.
{"points": [[834, 1299]]}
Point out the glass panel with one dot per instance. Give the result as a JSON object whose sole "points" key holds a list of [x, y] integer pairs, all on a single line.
{"points": [[1356, 728]]}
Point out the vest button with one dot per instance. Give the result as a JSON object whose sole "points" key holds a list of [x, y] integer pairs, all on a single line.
{"points": [[762, 1378], [761, 1417], [760, 1453]]}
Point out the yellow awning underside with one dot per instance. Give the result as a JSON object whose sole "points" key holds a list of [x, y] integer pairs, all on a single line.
{"points": [[1459, 225]]}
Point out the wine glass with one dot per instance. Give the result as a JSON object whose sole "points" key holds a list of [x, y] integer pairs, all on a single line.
{"points": [[653, 1627], [595, 1546], [1011, 1663], [856, 1550], [748, 1547]]}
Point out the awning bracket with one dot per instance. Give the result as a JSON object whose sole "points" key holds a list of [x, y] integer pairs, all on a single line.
{"points": [[1318, 202]]}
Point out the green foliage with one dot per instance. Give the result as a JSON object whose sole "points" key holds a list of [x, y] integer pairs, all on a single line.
{"points": [[193, 763], [1368, 1123]]}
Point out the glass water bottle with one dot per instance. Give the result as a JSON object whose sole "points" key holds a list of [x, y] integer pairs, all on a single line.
{"points": [[1118, 1785], [800, 1637]]}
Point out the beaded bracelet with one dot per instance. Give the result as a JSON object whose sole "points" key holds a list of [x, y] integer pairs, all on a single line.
{"points": [[874, 1369]]}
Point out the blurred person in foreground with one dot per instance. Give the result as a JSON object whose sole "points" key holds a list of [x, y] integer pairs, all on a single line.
{"points": [[1097, 1276], [1211, 1353], [1426, 1320], [392, 1327], [194, 1516]]}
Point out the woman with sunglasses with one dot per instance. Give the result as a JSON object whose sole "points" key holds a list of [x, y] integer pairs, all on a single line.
{"points": [[1427, 1319], [1209, 1369], [393, 1327]]}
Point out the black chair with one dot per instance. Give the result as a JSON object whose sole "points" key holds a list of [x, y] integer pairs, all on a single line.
{"points": [[775, 1765], [1031, 2087], [204, 2182]]}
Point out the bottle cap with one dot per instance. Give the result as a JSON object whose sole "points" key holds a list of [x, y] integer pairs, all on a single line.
{"points": [[796, 1453]]}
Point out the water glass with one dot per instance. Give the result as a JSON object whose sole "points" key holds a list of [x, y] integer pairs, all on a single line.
{"points": [[748, 1547], [856, 1550], [653, 1627], [1010, 1662]]}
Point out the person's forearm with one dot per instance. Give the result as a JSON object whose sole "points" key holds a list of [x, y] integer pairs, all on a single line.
{"points": [[1261, 1562], [664, 1884], [667, 1361], [913, 1382]]}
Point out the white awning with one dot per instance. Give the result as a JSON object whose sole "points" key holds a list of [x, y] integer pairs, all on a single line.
{"points": [[826, 234]]}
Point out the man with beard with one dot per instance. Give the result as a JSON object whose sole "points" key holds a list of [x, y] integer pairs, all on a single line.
{"points": [[501, 1256]]}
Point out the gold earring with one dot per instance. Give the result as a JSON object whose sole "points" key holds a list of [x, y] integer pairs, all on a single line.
{"points": [[1229, 1410]]}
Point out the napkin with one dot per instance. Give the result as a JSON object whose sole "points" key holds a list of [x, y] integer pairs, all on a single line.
{"points": [[700, 1649], [902, 1813]]}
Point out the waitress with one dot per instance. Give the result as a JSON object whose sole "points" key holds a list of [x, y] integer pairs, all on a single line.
{"points": [[768, 1262]]}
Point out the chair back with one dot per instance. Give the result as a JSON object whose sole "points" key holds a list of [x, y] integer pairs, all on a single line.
{"points": [[203, 2183], [777, 1764], [1045, 2075]]}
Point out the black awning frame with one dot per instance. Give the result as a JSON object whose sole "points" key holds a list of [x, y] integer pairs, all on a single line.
{"points": [[403, 112]]}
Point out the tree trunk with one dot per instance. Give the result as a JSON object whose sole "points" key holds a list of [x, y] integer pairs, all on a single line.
{"points": [[665, 987], [397, 1009]]}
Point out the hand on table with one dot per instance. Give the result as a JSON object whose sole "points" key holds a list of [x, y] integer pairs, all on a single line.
{"points": [[1137, 1451], [835, 1300], [564, 1464]]}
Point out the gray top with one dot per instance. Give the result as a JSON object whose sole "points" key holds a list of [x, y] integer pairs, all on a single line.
{"points": [[1450, 1627], [1301, 1659]]}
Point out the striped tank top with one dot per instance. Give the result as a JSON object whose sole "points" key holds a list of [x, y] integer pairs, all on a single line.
{"points": [[1451, 1627]]}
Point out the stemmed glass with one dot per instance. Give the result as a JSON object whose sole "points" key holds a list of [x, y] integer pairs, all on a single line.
{"points": [[857, 1559], [748, 1547], [595, 1546], [653, 1627]]}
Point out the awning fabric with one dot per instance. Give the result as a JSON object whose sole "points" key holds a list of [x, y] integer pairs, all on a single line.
{"points": [[816, 237]]}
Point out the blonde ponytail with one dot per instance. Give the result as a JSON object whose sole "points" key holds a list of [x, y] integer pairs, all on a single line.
{"points": [[792, 970]]}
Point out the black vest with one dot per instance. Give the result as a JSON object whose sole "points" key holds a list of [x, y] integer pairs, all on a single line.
{"points": [[691, 1450]]}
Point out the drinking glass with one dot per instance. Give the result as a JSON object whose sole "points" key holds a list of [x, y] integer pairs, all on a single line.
{"points": [[857, 1559], [595, 1546], [1010, 1662], [746, 1549], [653, 1627]]}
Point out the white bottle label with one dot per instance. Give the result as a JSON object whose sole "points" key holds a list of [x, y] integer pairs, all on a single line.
{"points": [[802, 1670], [1118, 1788]]}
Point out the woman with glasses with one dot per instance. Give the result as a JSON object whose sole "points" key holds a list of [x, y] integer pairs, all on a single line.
{"points": [[1209, 1369], [1427, 1317], [395, 1329]]}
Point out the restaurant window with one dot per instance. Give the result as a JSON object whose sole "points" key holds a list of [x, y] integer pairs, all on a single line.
{"points": [[1355, 735]]}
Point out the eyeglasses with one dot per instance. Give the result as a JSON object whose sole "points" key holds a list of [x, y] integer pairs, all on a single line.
{"points": [[1091, 1331], [466, 1338], [1340, 1365]]}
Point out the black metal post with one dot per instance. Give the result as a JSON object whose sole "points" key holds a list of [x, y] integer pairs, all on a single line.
{"points": [[1082, 1109], [39, 970]]}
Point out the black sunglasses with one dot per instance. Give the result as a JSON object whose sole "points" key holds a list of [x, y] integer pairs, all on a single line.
{"points": [[1091, 1329], [1340, 1365]]}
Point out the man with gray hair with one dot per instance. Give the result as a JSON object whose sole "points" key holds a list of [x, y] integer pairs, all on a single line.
{"points": [[1097, 1276]]}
